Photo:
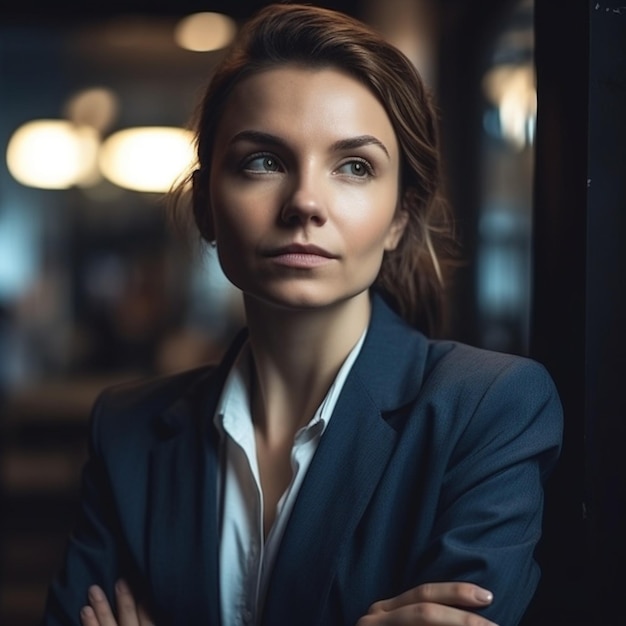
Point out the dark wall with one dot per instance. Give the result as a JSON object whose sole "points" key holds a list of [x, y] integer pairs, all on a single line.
{"points": [[580, 300], [606, 306], [558, 320]]}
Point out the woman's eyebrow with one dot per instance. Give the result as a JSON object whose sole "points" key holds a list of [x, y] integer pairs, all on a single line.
{"points": [[257, 136], [350, 143], [357, 142]]}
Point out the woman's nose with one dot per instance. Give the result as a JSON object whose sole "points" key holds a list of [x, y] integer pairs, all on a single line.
{"points": [[305, 203]]}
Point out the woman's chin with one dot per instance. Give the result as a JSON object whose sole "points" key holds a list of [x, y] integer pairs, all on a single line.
{"points": [[306, 300]]}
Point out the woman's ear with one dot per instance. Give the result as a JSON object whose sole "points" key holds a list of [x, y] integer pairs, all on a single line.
{"points": [[397, 228], [201, 205]]}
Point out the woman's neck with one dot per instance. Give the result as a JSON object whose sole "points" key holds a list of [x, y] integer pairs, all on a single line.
{"points": [[297, 355]]}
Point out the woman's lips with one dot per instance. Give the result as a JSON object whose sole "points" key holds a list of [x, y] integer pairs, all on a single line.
{"points": [[301, 256]]}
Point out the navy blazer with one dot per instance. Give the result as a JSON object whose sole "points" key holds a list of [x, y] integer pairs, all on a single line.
{"points": [[431, 469]]}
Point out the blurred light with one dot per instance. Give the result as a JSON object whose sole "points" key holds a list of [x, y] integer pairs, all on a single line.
{"points": [[501, 224], [511, 89], [148, 158], [491, 123], [52, 154], [96, 107], [203, 32], [501, 273], [19, 250]]}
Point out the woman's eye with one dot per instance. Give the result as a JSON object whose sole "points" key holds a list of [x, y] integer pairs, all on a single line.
{"points": [[356, 168], [262, 163]]}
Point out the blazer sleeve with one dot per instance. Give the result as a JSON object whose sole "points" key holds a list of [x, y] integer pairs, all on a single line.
{"points": [[491, 502], [92, 553]]}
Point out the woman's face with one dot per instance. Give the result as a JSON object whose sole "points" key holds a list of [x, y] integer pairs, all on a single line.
{"points": [[304, 187]]}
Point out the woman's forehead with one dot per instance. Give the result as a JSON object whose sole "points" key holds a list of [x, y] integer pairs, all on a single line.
{"points": [[297, 101]]}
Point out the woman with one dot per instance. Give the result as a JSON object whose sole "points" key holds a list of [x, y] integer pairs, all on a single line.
{"points": [[336, 457]]}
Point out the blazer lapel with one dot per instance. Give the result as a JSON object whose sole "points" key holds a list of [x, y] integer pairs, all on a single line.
{"points": [[340, 481], [182, 536], [347, 467]]}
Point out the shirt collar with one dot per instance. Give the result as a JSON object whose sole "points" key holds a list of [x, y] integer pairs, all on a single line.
{"points": [[233, 410]]}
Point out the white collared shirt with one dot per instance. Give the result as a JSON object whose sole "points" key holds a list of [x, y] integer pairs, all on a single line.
{"points": [[245, 559]]}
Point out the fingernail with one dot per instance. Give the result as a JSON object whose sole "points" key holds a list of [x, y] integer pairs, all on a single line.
{"points": [[482, 595], [86, 611], [121, 586], [96, 594]]}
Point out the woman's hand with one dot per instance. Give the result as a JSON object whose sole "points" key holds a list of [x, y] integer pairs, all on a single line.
{"points": [[432, 604], [99, 612]]}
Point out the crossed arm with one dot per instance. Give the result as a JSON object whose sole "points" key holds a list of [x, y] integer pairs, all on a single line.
{"points": [[436, 604]]}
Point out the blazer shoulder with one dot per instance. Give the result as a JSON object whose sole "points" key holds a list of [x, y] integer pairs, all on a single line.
{"points": [[160, 406], [163, 390], [493, 392], [127, 409], [463, 365]]}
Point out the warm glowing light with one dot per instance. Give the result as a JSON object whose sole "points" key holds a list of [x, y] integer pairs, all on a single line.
{"points": [[146, 158], [96, 107], [511, 88], [52, 154], [203, 32]]}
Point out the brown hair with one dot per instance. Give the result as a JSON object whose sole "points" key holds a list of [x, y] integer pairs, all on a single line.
{"points": [[412, 277]]}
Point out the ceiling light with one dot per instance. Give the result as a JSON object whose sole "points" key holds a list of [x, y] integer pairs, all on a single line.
{"points": [[52, 154], [149, 158], [203, 32], [96, 107]]}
